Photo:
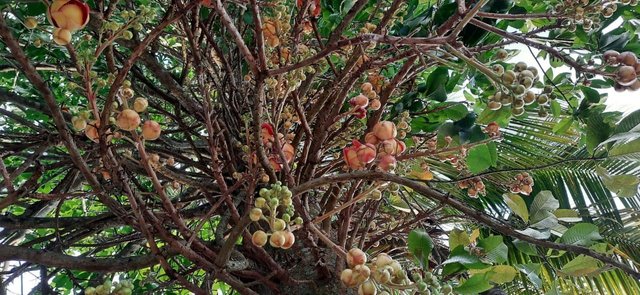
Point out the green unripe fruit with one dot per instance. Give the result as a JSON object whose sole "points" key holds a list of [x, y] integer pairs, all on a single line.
{"points": [[255, 214], [274, 202], [519, 90], [422, 287], [543, 99], [517, 111], [286, 218], [287, 202], [265, 193], [298, 220], [278, 225], [260, 202], [502, 54]]}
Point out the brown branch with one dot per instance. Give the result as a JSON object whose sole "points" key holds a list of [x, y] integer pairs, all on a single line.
{"points": [[55, 259]]}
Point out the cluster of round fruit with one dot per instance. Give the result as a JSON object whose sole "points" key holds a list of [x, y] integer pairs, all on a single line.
{"points": [[493, 130], [430, 284], [474, 186], [518, 94], [382, 272], [626, 77], [404, 125], [381, 143], [266, 209], [579, 12], [523, 183], [120, 288], [367, 99], [274, 28]]}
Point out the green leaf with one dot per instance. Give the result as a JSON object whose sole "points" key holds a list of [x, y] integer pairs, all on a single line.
{"points": [[563, 125], [629, 150], [567, 215], [494, 248], [531, 270], [479, 158], [580, 266], [536, 234], [628, 123], [474, 285], [458, 237], [582, 234], [525, 247], [501, 274], [621, 185], [517, 205], [420, 245], [540, 214]]}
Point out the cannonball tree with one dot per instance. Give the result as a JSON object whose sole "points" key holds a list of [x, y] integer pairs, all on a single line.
{"points": [[319, 147]]}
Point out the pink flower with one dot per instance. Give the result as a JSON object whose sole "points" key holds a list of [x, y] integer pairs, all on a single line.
{"points": [[385, 130], [69, 15], [387, 162], [371, 138], [392, 147], [360, 100], [366, 153], [267, 133]]}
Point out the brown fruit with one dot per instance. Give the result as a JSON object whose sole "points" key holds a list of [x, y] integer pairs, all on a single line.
{"points": [[151, 130], [626, 75], [374, 104], [366, 87], [385, 130], [30, 23], [128, 120], [627, 58], [611, 57], [494, 105]]}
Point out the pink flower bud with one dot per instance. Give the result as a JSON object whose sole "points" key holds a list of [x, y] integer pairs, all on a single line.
{"points": [[351, 157], [375, 105], [392, 147], [387, 162], [360, 100], [267, 133], [371, 138], [289, 152], [385, 130], [275, 164], [366, 153], [360, 113], [70, 15]]}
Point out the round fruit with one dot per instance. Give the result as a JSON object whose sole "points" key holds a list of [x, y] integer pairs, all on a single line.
{"points": [[627, 58], [30, 23], [255, 214], [151, 130], [517, 111], [502, 54], [611, 57], [128, 120], [259, 238], [626, 75], [543, 99], [366, 87], [374, 104], [529, 97], [79, 123], [494, 105], [140, 104], [289, 240], [355, 257], [277, 239], [367, 288]]}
